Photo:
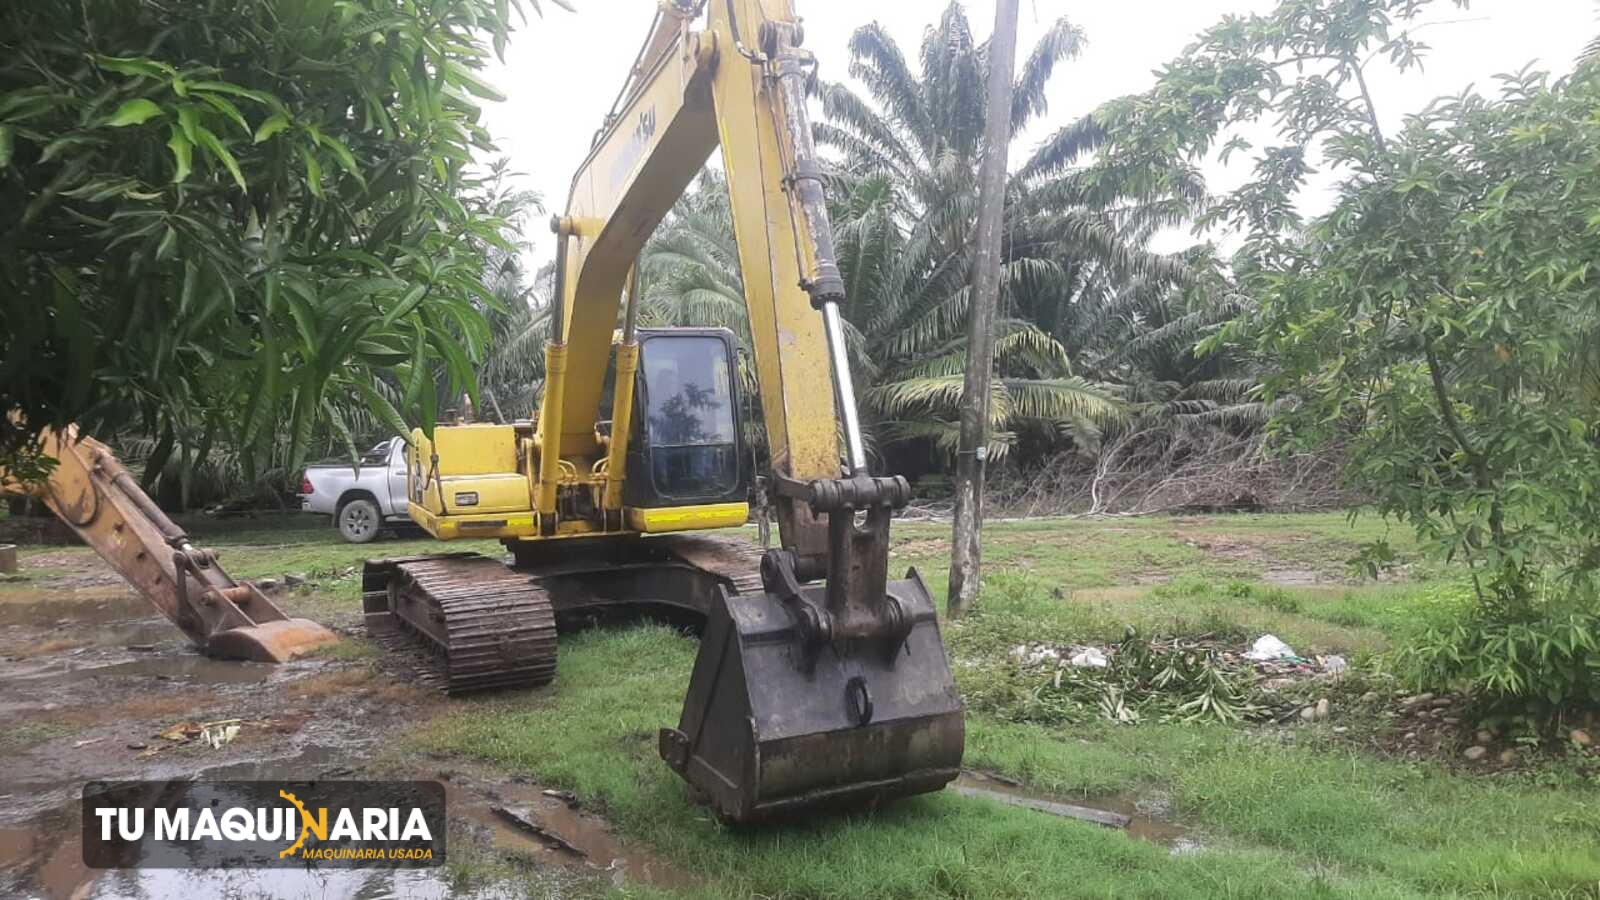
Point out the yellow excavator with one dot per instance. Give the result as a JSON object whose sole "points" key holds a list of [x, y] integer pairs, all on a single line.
{"points": [[91, 491], [819, 681]]}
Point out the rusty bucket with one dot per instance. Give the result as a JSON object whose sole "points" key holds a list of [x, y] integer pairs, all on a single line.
{"points": [[780, 718], [274, 641]]}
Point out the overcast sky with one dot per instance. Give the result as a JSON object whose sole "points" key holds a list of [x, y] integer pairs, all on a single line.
{"points": [[562, 71]]}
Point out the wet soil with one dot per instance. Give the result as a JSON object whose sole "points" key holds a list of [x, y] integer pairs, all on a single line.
{"points": [[563, 833], [95, 685]]}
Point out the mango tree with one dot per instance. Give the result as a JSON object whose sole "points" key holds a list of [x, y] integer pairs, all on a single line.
{"points": [[241, 222]]}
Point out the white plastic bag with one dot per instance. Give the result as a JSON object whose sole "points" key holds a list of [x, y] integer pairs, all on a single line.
{"points": [[1089, 658], [1268, 647]]}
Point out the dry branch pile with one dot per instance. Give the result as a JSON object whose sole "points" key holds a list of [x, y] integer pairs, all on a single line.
{"points": [[1157, 470]]}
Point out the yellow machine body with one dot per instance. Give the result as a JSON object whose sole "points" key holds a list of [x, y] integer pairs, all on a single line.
{"points": [[483, 487]]}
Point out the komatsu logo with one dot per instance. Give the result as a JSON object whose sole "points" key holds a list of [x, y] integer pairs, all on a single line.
{"points": [[644, 128], [293, 825], [263, 824]]}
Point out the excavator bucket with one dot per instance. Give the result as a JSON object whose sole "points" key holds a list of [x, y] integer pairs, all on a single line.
{"points": [[805, 696], [764, 738], [274, 642]]}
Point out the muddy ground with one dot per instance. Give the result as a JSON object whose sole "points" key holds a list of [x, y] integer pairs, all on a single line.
{"points": [[94, 685]]}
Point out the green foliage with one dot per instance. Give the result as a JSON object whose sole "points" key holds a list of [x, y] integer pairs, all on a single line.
{"points": [[1298, 72], [1077, 271], [1275, 820], [512, 374], [226, 222], [1443, 318], [1540, 658], [1301, 67], [907, 199], [1447, 308], [26, 466], [1009, 663], [903, 201]]}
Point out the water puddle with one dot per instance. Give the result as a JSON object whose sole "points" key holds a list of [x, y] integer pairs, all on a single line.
{"points": [[43, 857], [143, 637], [46, 861], [522, 818], [1140, 818], [47, 608], [73, 621], [190, 668]]}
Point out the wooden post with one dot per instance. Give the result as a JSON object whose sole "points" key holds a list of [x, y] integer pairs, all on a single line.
{"points": [[965, 557], [8, 559]]}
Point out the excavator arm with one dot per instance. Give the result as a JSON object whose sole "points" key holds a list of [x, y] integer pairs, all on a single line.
{"points": [[833, 685], [739, 84], [90, 491]]}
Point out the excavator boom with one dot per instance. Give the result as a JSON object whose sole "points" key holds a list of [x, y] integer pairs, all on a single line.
{"points": [[90, 491]]}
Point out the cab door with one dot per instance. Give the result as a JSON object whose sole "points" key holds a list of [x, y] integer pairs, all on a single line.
{"points": [[395, 503], [686, 448]]}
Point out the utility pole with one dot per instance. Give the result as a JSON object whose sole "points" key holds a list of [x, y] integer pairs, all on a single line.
{"points": [[965, 553]]}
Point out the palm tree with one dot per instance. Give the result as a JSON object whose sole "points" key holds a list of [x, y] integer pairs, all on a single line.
{"points": [[908, 156], [1077, 274], [511, 377], [907, 357], [689, 272]]}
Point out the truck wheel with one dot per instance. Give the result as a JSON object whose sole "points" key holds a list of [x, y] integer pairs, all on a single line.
{"points": [[359, 520]]}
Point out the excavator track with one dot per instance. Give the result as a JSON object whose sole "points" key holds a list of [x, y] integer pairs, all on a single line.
{"points": [[487, 626], [734, 561], [471, 623]]}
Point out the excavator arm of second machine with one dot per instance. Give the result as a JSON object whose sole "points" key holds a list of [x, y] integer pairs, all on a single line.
{"points": [[90, 491]]}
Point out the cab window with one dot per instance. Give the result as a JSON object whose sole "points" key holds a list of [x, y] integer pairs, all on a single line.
{"points": [[689, 415]]}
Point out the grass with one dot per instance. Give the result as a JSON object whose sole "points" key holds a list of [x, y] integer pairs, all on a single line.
{"points": [[1280, 812], [1077, 554], [1276, 821], [20, 736]]}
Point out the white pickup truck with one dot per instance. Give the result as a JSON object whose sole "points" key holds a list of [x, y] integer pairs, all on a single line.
{"points": [[360, 500]]}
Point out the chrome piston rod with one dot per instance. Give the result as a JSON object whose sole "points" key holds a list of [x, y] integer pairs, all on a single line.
{"points": [[824, 282], [844, 387]]}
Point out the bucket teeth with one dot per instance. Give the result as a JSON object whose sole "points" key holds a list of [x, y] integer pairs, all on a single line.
{"points": [[485, 627]]}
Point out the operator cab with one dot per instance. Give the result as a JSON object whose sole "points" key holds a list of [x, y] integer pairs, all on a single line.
{"points": [[686, 446]]}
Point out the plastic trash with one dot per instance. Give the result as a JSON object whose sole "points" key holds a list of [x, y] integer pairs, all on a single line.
{"points": [[1334, 665], [1031, 655], [1268, 647], [219, 734], [1089, 658]]}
